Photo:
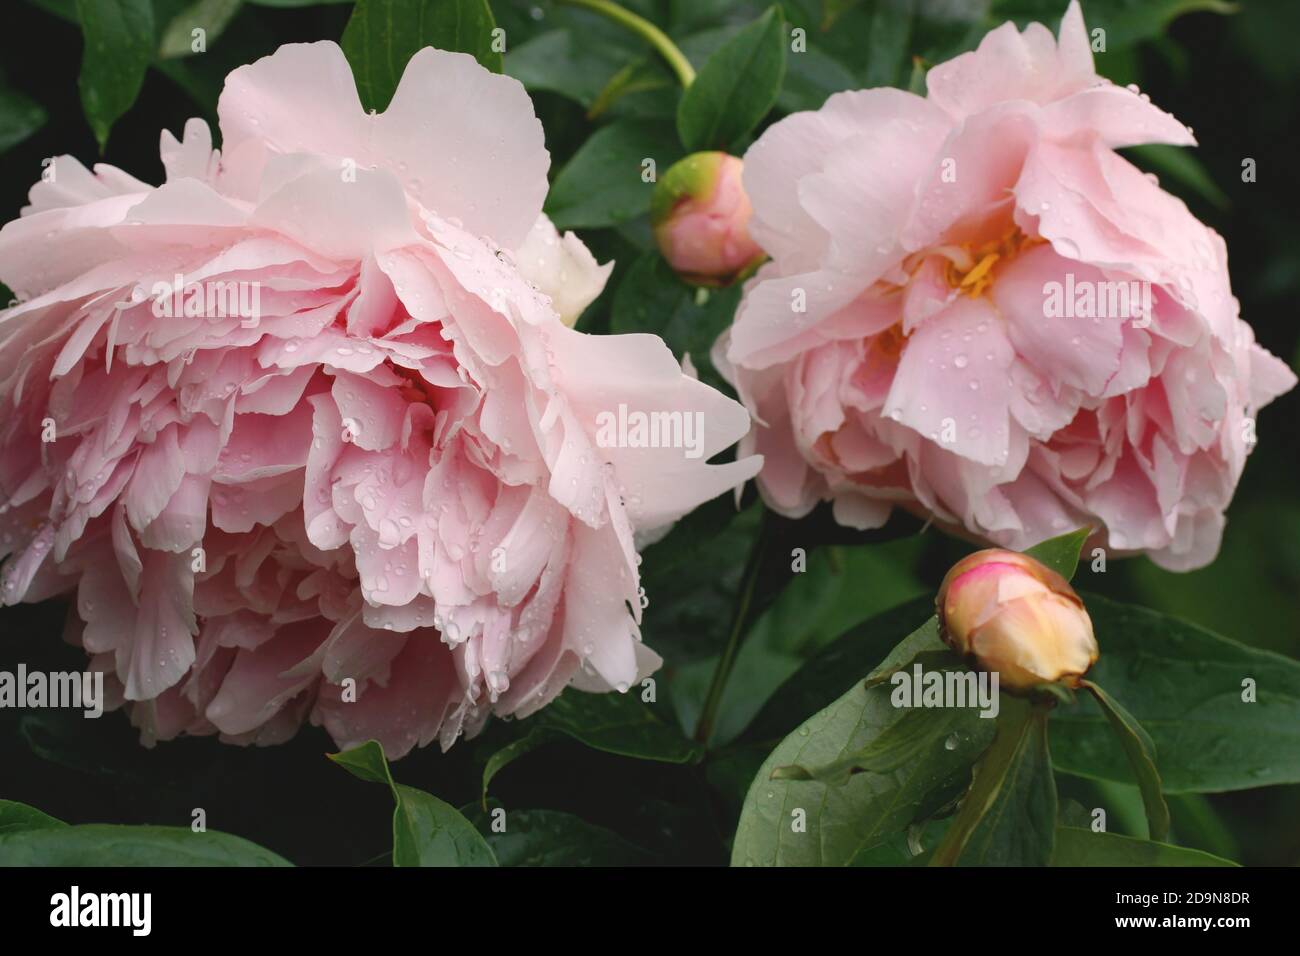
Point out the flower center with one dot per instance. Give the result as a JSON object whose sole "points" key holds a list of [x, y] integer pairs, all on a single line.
{"points": [[416, 389], [971, 267]]}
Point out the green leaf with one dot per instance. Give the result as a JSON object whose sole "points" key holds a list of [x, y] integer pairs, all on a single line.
{"points": [[1200, 826], [552, 838], [910, 737], [426, 831], [603, 184], [512, 752], [119, 39], [211, 16], [832, 10], [382, 35], [1185, 686], [651, 298], [20, 117], [1141, 753], [841, 822], [559, 61], [888, 41], [99, 844], [617, 724], [1061, 553], [1008, 818], [1136, 20], [812, 77], [736, 86], [16, 816], [1181, 166], [1080, 847]]}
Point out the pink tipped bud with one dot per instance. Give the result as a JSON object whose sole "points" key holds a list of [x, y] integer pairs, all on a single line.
{"points": [[700, 215], [1015, 616]]}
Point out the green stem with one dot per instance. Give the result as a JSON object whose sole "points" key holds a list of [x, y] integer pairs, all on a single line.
{"points": [[740, 621], [1013, 727], [644, 29]]}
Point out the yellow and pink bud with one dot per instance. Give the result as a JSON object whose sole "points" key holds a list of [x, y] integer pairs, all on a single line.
{"points": [[1013, 615]]}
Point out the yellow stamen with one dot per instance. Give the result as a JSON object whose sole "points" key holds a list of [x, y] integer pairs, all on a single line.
{"points": [[981, 268]]}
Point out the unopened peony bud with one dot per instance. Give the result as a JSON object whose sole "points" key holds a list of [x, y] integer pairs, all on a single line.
{"points": [[1013, 615], [700, 215]]}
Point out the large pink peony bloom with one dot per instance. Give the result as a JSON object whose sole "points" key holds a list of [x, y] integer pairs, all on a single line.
{"points": [[933, 330], [306, 420]]}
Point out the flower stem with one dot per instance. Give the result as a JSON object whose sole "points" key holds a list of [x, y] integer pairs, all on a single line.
{"points": [[647, 31], [1012, 734], [740, 621]]}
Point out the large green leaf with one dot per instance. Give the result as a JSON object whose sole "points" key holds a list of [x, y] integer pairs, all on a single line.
{"points": [[1080, 847], [606, 181], [614, 723], [813, 76], [119, 43], [1185, 686], [618, 724], [382, 35], [16, 816], [553, 838], [564, 62], [736, 86], [841, 822], [426, 831], [211, 16], [98, 844], [911, 737], [887, 43], [20, 116]]}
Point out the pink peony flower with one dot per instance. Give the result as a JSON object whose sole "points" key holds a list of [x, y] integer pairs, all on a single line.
{"points": [[977, 309], [700, 215], [303, 428]]}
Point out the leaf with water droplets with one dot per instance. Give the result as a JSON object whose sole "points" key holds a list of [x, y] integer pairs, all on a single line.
{"points": [[811, 823], [119, 38], [914, 735]]}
